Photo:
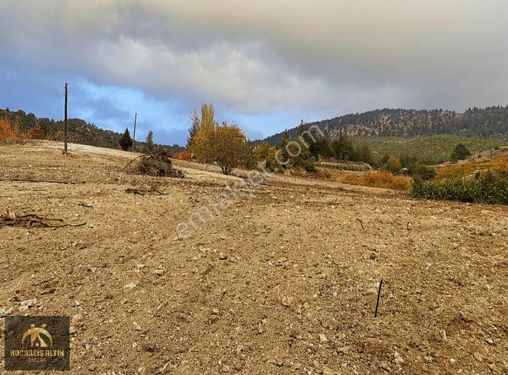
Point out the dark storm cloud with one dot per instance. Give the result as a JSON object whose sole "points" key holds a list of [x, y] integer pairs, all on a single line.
{"points": [[255, 58]]}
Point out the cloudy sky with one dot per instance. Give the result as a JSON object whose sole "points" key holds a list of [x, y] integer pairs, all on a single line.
{"points": [[264, 64]]}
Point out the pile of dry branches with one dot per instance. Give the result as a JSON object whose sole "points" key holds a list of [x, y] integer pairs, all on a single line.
{"points": [[10, 219], [154, 164]]}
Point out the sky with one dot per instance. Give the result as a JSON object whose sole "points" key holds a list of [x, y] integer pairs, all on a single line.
{"points": [[264, 64]]}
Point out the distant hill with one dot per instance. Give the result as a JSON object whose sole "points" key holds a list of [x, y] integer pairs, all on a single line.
{"points": [[79, 131], [486, 122]]}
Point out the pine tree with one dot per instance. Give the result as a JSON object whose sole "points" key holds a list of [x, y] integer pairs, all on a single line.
{"points": [[343, 147], [194, 129], [149, 145], [126, 140]]}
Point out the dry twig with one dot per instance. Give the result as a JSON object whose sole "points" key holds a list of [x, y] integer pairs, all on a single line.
{"points": [[152, 190], [10, 219], [361, 223]]}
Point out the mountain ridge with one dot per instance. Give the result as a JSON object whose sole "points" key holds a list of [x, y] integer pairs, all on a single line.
{"points": [[386, 122]]}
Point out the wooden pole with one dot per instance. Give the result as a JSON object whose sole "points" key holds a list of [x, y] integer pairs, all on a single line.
{"points": [[134, 133], [65, 121]]}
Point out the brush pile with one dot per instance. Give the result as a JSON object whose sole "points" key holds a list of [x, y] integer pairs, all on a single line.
{"points": [[157, 163]]}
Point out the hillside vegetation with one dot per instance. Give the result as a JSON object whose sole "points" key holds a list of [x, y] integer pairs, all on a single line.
{"points": [[482, 178], [475, 122], [79, 131], [433, 149]]}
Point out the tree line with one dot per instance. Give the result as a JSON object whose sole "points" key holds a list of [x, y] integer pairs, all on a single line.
{"points": [[480, 122]]}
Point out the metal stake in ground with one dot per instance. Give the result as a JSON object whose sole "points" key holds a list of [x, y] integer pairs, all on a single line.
{"points": [[65, 121], [378, 297]]}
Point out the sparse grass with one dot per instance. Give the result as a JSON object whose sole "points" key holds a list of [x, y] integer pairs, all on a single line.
{"points": [[318, 173], [379, 179]]}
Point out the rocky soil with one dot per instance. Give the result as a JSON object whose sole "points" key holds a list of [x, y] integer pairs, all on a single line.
{"points": [[281, 281]]}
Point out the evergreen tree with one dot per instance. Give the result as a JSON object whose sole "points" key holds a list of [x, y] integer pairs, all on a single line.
{"points": [[343, 147], [364, 153], [126, 140], [149, 145], [194, 129]]}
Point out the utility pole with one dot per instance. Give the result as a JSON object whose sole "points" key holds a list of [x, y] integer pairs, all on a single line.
{"points": [[134, 133], [65, 121]]}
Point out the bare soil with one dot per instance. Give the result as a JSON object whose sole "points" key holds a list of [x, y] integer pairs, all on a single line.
{"points": [[281, 282]]}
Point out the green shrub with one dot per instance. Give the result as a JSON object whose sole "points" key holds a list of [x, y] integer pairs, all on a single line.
{"points": [[460, 152], [490, 188], [273, 165], [308, 165], [393, 165], [422, 172]]}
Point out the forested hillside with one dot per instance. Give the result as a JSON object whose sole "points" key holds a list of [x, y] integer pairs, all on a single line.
{"points": [[486, 122], [79, 131]]}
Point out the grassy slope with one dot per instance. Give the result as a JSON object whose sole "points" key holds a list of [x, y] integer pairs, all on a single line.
{"points": [[432, 149]]}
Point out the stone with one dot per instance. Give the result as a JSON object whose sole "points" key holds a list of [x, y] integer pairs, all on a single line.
{"points": [[397, 358], [150, 347], [4, 311], [344, 350], [385, 366], [25, 305], [130, 286], [478, 356], [323, 338], [285, 301]]}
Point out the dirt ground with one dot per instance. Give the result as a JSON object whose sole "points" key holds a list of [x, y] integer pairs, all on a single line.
{"points": [[283, 281]]}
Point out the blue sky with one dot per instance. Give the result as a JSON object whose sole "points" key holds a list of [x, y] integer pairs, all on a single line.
{"points": [[264, 65]]}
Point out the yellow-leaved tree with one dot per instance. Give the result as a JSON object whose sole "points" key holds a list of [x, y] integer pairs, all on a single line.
{"points": [[202, 141], [230, 147], [223, 144]]}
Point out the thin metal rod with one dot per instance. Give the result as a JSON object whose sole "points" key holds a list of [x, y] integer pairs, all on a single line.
{"points": [[65, 121], [378, 297]]}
